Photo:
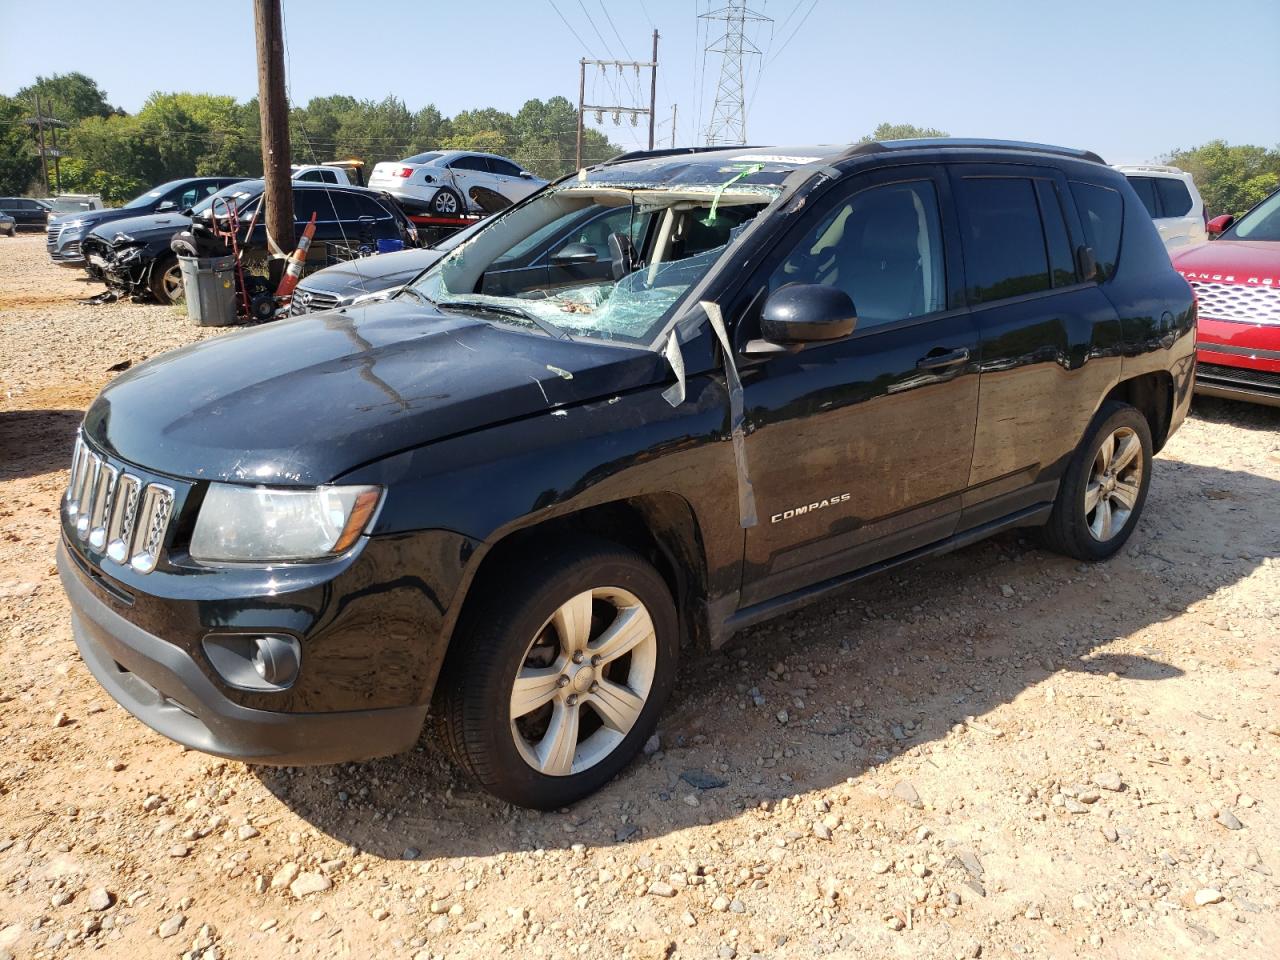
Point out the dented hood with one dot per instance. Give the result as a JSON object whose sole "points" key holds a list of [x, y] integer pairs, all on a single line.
{"points": [[303, 401]]}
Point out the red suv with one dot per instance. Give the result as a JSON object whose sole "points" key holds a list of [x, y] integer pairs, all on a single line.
{"points": [[1237, 283]]}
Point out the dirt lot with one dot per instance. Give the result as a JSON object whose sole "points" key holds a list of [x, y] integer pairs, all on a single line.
{"points": [[1000, 753]]}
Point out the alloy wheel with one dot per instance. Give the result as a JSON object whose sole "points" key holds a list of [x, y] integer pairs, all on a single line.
{"points": [[1115, 482], [446, 202], [584, 680], [172, 282]]}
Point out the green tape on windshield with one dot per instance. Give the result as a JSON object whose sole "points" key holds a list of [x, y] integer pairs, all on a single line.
{"points": [[744, 172]]}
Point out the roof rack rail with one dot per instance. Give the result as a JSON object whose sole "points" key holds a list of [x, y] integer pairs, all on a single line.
{"points": [[667, 152], [882, 146]]}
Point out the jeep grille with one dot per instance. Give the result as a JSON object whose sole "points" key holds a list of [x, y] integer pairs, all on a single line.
{"points": [[115, 512]]}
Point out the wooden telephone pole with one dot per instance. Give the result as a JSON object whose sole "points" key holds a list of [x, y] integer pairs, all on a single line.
{"points": [[273, 108], [618, 110]]}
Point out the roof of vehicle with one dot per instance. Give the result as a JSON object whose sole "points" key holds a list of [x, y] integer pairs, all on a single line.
{"points": [[1156, 168], [689, 165], [257, 185], [445, 155]]}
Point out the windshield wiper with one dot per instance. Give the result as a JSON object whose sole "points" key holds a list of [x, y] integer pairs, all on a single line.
{"points": [[546, 326], [417, 295]]}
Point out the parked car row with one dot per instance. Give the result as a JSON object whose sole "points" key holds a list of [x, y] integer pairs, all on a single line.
{"points": [[135, 255]]}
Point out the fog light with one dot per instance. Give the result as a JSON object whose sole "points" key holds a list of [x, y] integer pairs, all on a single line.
{"points": [[254, 661]]}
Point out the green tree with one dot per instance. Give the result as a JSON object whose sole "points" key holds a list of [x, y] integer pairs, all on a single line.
{"points": [[71, 97], [1231, 179], [18, 161], [902, 131]]}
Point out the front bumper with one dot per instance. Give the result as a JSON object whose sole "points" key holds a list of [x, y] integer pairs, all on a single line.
{"points": [[162, 685], [1238, 383]]}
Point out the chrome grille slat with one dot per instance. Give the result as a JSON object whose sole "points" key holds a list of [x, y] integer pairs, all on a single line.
{"points": [[120, 532], [117, 512], [92, 471], [153, 518], [1237, 302], [101, 508]]}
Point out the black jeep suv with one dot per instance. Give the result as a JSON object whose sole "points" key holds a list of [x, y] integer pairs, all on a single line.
{"points": [[517, 503]]}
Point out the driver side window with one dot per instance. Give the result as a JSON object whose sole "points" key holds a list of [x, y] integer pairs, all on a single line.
{"points": [[883, 247]]}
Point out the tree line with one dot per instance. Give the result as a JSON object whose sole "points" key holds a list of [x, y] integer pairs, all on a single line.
{"points": [[108, 151], [118, 154]]}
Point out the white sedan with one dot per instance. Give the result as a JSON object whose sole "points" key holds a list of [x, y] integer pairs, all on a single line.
{"points": [[439, 183]]}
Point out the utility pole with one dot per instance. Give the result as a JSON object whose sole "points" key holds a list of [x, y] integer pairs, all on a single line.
{"points": [[39, 122], [44, 160], [617, 109], [582, 93], [653, 85], [674, 107], [273, 108], [728, 124]]}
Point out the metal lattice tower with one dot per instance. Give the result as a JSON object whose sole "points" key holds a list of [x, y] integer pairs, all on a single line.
{"points": [[728, 123]]}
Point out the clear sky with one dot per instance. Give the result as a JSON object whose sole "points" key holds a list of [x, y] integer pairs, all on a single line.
{"points": [[1127, 78]]}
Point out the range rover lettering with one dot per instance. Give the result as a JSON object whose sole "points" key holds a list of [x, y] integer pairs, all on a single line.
{"points": [[510, 501]]}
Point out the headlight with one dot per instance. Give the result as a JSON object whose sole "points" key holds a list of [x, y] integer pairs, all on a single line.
{"points": [[367, 298], [71, 224], [259, 524]]}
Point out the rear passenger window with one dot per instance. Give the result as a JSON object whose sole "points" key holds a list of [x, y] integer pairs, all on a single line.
{"points": [[1174, 197], [1004, 245], [1102, 214], [1145, 187], [883, 247], [1061, 259]]}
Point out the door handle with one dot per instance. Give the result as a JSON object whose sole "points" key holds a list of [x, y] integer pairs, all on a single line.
{"points": [[935, 360]]}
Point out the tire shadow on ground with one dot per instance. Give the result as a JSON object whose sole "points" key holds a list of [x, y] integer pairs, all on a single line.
{"points": [[893, 664]]}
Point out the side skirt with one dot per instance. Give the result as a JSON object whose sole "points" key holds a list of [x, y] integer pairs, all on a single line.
{"points": [[1035, 515]]}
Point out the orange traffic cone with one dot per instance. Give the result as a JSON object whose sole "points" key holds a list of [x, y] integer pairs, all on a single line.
{"points": [[296, 260]]}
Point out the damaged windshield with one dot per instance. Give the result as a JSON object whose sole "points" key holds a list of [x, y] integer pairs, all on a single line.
{"points": [[606, 262]]}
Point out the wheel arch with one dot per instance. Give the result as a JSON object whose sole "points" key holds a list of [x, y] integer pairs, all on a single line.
{"points": [[661, 527], [1152, 394]]}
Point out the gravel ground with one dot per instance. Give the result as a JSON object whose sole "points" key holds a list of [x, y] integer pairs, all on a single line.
{"points": [[999, 753]]}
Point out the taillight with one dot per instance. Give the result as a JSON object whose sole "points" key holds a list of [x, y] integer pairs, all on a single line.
{"points": [[406, 171]]}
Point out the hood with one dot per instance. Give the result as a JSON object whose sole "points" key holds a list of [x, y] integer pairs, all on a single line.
{"points": [[92, 218], [371, 274], [151, 226], [302, 401], [1231, 261]]}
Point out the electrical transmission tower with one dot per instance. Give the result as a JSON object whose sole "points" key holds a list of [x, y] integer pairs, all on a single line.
{"points": [[728, 124]]}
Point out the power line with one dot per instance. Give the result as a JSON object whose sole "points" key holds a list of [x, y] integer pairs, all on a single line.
{"points": [[603, 41], [799, 25], [581, 42], [614, 26]]}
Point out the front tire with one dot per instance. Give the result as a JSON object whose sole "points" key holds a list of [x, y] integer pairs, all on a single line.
{"points": [[166, 281], [1105, 486], [559, 672]]}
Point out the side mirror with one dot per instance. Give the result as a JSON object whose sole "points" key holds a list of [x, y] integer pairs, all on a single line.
{"points": [[801, 313], [575, 253], [1219, 224], [166, 206]]}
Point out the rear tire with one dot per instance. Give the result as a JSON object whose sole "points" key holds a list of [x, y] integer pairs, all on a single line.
{"points": [[1105, 486], [166, 280], [580, 643], [446, 203]]}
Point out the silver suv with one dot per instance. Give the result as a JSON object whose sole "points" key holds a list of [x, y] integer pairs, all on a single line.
{"points": [[1171, 197]]}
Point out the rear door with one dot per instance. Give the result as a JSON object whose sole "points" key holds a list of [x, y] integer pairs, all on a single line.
{"points": [[470, 171], [1050, 339], [859, 449]]}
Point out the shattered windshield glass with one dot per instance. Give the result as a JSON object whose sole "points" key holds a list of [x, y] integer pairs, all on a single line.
{"points": [[606, 261]]}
